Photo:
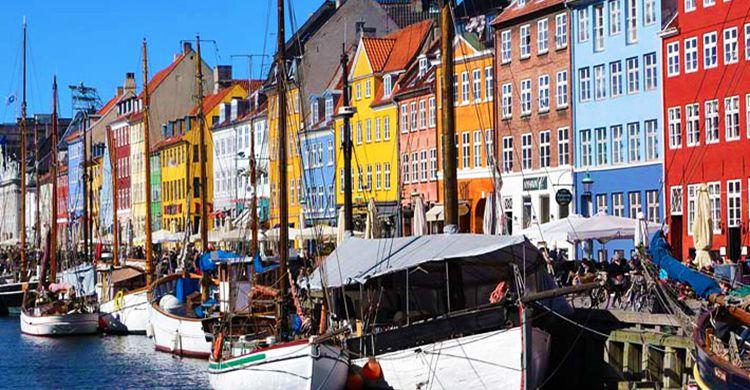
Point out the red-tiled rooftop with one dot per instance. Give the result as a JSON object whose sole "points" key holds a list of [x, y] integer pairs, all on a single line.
{"points": [[211, 101], [108, 106], [408, 40], [378, 50], [161, 75], [515, 10]]}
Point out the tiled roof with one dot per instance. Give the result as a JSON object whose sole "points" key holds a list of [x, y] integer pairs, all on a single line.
{"points": [[378, 50], [167, 142], [211, 101], [515, 10], [408, 42], [108, 106]]}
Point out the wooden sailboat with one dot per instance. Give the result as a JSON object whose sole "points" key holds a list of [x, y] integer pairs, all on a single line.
{"points": [[53, 309], [243, 361], [174, 328], [127, 312]]}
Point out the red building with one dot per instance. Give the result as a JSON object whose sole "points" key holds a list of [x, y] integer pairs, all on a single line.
{"points": [[705, 50], [121, 135]]}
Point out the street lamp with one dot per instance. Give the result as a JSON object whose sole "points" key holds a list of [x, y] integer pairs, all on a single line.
{"points": [[587, 182]]}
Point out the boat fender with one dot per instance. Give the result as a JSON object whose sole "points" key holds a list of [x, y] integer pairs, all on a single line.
{"points": [[354, 381], [216, 353], [119, 297], [149, 330], [372, 370]]}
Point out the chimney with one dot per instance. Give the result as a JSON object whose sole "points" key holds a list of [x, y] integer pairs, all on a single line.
{"points": [[222, 77], [187, 47], [129, 82], [363, 31], [339, 3], [120, 90]]}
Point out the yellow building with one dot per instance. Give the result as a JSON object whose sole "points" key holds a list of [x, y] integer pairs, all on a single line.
{"points": [[376, 67], [180, 163], [294, 163]]}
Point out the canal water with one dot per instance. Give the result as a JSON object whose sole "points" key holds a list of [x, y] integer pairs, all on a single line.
{"points": [[92, 362]]}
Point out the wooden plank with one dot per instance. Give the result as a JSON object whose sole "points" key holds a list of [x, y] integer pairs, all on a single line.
{"points": [[650, 338], [628, 317]]}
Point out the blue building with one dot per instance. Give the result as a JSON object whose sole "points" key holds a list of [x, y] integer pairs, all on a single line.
{"points": [[616, 66], [319, 161], [73, 140]]}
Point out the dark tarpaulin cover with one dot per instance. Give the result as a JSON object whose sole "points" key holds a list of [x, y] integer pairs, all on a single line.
{"points": [[703, 285]]}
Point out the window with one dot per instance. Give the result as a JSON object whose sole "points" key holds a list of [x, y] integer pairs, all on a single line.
{"points": [[368, 88], [561, 93], [478, 134], [691, 55], [466, 150], [601, 146], [586, 148], [358, 91], [675, 200], [544, 93], [712, 121], [649, 12], [734, 203], [507, 100], [544, 149], [507, 154], [730, 45], [433, 164], [599, 27], [618, 206], [601, 203], [615, 21], [359, 132], [584, 79], [476, 79], [563, 146], [368, 131], [583, 25], [423, 65], [404, 118], [600, 83], [526, 151], [689, 5], [387, 176], [369, 177], [732, 118], [615, 78], [489, 147], [747, 114], [673, 59], [561, 31], [634, 201], [709, 50], [747, 41], [405, 168], [714, 197], [618, 145], [505, 47], [525, 97], [631, 21], [542, 36], [633, 76], [431, 113], [652, 140], [634, 141], [413, 115], [525, 41], [377, 129], [422, 114], [652, 206], [387, 85], [331, 155], [651, 74], [387, 128], [455, 88], [692, 124], [465, 87], [423, 165], [692, 203], [489, 86]]}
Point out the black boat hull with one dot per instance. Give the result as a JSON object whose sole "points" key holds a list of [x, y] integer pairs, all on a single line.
{"points": [[11, 296]]}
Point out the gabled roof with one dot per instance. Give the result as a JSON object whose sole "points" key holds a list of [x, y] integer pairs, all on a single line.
{"points": [[408, 41], [515, 10], [377, 51], [109, 105], [213, 100], [161, 75]]}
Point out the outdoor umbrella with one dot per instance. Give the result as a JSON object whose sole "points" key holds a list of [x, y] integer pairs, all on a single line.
{"points": [[702, 228], [492, 220], [641, 232], [341, 228], [419, 222], [371, 224]]}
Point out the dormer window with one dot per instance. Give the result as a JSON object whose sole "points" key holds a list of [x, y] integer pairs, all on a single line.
{"points": [[387, 85], [423, 64], [329, 107], [314, 112], [521, 3], [222, 112]]}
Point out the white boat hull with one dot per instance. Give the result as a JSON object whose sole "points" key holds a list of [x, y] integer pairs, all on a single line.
{"points": [[63, 325], [178, 335], [296, 365], [491, 360], [129, 315]]}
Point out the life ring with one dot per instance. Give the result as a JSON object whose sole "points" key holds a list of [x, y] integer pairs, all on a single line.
{"points": [[119, 300], [216, 353]]}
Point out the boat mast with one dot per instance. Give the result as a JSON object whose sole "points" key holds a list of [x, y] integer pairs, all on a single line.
{"points": [[84, 126], [450, 201], [22, 172], [115, 205], [53, 166], [346, 143], [38, 214], [202, 147], [254, 199], [283, 211], [147, 165]]}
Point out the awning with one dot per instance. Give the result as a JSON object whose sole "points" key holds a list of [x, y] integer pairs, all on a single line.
{"points": [[358, 260], [436, 213], [122, 274]]}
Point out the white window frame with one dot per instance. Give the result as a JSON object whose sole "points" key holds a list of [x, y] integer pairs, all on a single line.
{"points": [[508, 154], [673, 59], [505, 47], [545, 149], [526, 152], [653, 212], [584, 87], [561, 89], [731, 36], [711, 113], [692, 124], [615, 17], [598, 27], [734, 203], [476, 84], [631, 20], [563, 146], [676, 200], [650, 72], [691, 55], [600, 82], [478, 138], [526, 97], [507, 100], [649, 12], [465, 150], [618, 144], [632, 68], [561, 31], [618, 204], [464, 87], [689, 5], [615, 78], [524, 41], [543, 92], [710, 51], [634, 142], [601, 142], [432, 113], [586, 148], [489, 86], [714, 198], [583, 25], [542, 36], [732, 118], [635, 204], [651, 128]]}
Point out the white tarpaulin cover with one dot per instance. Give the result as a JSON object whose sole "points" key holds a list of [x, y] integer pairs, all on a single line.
{"points": [[576, 228], [553, 231], [357, 260]]}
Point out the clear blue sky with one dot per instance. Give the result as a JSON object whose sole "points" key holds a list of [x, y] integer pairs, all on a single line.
{"points": [[97, 42]]}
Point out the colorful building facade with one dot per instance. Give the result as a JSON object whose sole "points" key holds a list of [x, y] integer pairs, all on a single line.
{"points": [[707, 114]]}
